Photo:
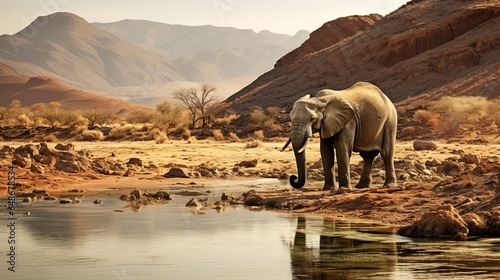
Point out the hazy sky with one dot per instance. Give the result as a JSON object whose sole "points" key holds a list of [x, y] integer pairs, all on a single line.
{"points": [[279, 16]]}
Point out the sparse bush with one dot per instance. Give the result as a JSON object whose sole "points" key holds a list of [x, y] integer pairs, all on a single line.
{"points": [[233, 137], [218, 136], [408, 130], [192, 140], [265, 119], [253, 144], [493, 112], [454, 111], [425, 116], [46, 138], [101, 118], [171, 116], [121, 132], [90, 135], [186, 134], [23, 120], [259, 135], [159, 136], [229, 116]]}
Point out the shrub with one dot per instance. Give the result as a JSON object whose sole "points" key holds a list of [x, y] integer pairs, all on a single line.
{"points": [[90, 135], [233, 137], [408, 130], [454, 111], [159, 136], [23, 120], [253, 144], [218, 136], [424, 116], [121, 132], [259, 135]]}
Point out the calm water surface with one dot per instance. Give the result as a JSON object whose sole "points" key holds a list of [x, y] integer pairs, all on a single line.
{"points": [[171, 241]]}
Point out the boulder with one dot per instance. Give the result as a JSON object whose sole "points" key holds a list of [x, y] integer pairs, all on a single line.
{"points": [[176, 172], [253, 199], [66, 166], [37, 168], [65, 147], [419, 145], [450, 168], [194, 203], [162, 195], [247, 163], [136, 193], [443, 223], [135, 161], [471, 159]]}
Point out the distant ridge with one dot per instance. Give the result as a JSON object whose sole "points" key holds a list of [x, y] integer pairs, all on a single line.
{"points": [[69, 48], [43, 89]]}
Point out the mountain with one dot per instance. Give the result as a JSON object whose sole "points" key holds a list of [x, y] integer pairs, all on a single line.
{"points": [[229, 51], [29, 91], [423, 50], [68, 48]]}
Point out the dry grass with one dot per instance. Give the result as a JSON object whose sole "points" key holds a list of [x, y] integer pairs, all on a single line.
{"points": [[253, 144], [218, 136]]}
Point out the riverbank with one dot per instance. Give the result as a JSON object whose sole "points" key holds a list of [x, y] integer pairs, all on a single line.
{"points": [[466, 177]]}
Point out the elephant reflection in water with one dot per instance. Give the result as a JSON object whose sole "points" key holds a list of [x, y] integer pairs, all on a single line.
{"points": [[339, 257]]}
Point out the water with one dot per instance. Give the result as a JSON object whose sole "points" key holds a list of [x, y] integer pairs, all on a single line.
{"points": [[171, 241]]}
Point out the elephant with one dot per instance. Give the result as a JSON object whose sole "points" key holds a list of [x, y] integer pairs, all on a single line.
{"points": [[360, 119]]}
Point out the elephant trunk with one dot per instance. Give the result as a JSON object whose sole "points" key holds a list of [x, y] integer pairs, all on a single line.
{"points": [[299, 139]]}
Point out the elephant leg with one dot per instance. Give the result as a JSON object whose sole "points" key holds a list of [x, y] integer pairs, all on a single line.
{"points": [[390, 172], [328, 159], [387, 154], [366, 174], [343, 147]]}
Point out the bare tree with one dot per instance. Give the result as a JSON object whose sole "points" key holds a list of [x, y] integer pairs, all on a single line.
{"points": [[202, 105]]}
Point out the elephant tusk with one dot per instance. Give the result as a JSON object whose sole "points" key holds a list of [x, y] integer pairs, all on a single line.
{"points": [[286, 145], [304, 146]]}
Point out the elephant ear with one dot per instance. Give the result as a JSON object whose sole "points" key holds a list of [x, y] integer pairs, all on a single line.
{"points": [[338, 113]]}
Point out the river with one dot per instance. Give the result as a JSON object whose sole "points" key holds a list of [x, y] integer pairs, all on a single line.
{"points": [[171, 241]]}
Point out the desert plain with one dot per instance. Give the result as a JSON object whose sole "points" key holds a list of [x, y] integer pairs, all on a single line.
{"points": [[450, 191]]}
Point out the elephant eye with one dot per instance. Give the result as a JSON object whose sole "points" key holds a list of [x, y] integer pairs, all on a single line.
{"points": [[314, 119]]}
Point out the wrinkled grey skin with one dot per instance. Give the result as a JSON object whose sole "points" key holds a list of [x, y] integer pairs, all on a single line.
{"points": [[360, 119]]}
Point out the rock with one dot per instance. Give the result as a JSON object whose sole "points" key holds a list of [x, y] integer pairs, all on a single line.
{"points": [[22, 162], [74, 191], [129, 173], [124, 197], [135, 161], [194, 203], [450, 168], [228, 197], [65, 201], [50, 198], [444, 223], [253, 199], [433, 163], [27, 199], [176, 172], [37, 168], [65, 147], [471, 159], [247, 163], [66, 166], [419, 145], [162, 195], [98, 201], [136, 193]]}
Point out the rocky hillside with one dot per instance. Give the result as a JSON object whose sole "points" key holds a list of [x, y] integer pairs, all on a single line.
{"points": [[421, 51], [330, 34], [14, 86], [229, 51]]}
